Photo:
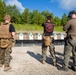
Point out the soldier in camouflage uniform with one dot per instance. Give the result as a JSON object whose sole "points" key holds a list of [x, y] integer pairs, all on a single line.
{"points": [[48, 35], [70, 27], [7, 32]]}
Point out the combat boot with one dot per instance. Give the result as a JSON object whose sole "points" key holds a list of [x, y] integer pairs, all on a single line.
{"points": [[54, 64], [7, 68], [43, 61], [64, 69], [74, 69]]}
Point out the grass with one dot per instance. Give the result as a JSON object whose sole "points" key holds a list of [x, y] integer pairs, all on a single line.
{"points": [[33, 27], [58, 28], [27, 27]]}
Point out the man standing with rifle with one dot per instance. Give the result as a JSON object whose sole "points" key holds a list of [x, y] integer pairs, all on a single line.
{"points": [[47, 40], [7, 32], [70, 28]]}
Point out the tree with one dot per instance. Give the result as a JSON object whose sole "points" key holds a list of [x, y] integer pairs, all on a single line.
{"points": [[57, 21], [26, 16], [14, 13], [64, 19], [34, 17], [41, 19], [46, 13], [37, 17], [2, 10], [2, 0]]}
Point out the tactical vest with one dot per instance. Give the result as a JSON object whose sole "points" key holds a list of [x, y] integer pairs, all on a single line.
{"points": [[4, 31]]}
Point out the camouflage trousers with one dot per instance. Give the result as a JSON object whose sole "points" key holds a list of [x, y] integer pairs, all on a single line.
{"points": [[70, 47], [5, 56], [51, 50]]}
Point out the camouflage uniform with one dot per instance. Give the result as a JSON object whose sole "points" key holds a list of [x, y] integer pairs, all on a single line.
{"points": [[5, 56], [51, 50], [5, 51], [7, 31], [48, 33]]}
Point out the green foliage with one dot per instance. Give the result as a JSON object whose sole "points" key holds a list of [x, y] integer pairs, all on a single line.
{"points": [[14, 13], [57, 21], [64, 19], [27, 27], [34, 27], [58, 28], [26, 18], [30, 20], [46, 13], [37, 18], [2, 10]]}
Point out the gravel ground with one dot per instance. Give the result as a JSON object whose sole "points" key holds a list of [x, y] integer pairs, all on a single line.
{"points": [[26, 61]]}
